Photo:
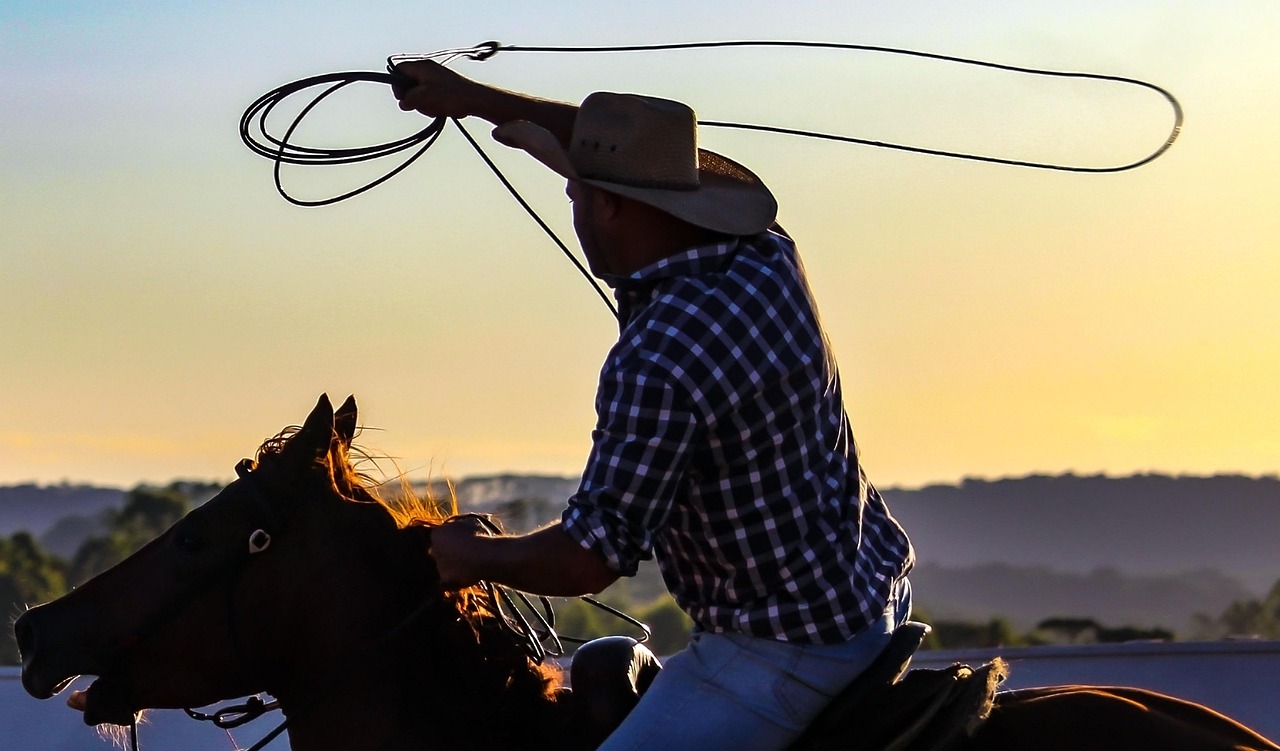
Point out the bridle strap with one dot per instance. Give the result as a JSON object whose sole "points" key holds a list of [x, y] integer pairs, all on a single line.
{"points": [[274, 519]]}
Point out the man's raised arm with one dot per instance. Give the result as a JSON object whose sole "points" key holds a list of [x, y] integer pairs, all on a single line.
{"points": [[440, 92]]}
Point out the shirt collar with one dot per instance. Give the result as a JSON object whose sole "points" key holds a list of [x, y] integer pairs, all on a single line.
{"points": [[699, 259], [632, 291]]}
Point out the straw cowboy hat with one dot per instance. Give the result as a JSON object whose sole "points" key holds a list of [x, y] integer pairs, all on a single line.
{"points": [[647, 149]]}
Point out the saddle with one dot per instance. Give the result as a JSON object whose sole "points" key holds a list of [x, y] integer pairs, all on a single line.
{"points": [[891, 708], [886, 708]]}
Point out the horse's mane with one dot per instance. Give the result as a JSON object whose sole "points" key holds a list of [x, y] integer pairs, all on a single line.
{"points": [[408, 509], [399, 499]]}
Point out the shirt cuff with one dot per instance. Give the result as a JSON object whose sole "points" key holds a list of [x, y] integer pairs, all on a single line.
{"points": [[602, 534]]}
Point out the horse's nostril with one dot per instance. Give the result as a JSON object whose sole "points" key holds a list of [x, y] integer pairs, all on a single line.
{"points": [[25, 635]]}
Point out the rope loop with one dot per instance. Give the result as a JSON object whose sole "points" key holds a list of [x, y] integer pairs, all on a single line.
{"points": [[253, 124]]}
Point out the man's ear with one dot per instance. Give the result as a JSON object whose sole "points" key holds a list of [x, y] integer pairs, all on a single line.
{"points": [[607, 206]]}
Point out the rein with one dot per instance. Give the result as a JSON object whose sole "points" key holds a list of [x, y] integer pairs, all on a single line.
{"points": [[532, 633]]}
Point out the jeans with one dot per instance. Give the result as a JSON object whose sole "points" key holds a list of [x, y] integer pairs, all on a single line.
{"points": [[733, 691]]}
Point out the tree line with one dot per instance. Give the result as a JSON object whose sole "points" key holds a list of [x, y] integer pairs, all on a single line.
{"points": [[29, 575]]}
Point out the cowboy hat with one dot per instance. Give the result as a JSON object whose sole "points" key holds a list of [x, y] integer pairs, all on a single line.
{"points": [[646, 149]]}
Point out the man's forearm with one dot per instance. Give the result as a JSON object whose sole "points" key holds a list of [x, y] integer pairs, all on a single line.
{"points": [[546, 562], [437, 91], [500, 106]]}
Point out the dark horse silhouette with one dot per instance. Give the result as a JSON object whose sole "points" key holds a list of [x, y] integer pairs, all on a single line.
{"points": [[296, 580]]}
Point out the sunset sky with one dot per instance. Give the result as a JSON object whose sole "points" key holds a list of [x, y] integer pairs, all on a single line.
{"points": [[162, 309]]}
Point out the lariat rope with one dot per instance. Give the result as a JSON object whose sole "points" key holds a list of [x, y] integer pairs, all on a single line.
{"points": [[487, 50], [254, 133]]}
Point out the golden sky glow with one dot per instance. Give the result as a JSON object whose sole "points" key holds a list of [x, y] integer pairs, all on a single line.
{"points": [[163, 309]]}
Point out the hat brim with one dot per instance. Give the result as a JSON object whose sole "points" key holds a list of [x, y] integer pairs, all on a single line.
{"points": [[729, 197]]}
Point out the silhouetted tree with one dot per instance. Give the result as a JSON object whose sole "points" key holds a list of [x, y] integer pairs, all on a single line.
{"points": [[1245, 618], [996, 632], [146, 514], [1122, 634], [28, 576], [1071, 630], [580, 620], [671, 625]]}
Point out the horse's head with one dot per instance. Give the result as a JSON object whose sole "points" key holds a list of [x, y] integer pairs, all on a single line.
{"points": [[241, 595]]}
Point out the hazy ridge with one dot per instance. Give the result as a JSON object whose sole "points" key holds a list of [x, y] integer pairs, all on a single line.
{"points": [[1141, 524], [1143, 550]]}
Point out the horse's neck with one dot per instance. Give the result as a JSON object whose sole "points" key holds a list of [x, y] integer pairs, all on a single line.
{"points": [[431, 687], [347, 722]]}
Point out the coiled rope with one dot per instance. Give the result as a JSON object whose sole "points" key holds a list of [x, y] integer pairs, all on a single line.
{"points": [[254, 132]]}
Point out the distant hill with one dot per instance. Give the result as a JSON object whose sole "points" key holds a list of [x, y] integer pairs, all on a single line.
{"points": [[1149, 525], [36, 509], [62, 516], [1026, 595], [1146, 550], [1139, 525], [65, 537], [496, 489]]}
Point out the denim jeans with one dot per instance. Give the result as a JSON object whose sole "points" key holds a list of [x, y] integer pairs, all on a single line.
{"points": [[733, 691]]}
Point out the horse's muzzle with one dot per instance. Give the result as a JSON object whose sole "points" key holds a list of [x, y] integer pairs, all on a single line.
{"points": [[50, 659]]}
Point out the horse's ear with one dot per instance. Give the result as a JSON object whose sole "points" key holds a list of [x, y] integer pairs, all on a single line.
{"points": [[344, 422], [313, 439]]}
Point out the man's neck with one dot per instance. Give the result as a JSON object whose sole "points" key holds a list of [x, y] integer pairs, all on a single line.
{"points": [[651, 235]]}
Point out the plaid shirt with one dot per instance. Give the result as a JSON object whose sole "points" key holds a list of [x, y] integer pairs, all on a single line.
{"points": [[722, 444]]}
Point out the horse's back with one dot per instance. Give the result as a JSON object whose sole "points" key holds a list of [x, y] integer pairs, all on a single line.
{"points": [[1102, 717]]}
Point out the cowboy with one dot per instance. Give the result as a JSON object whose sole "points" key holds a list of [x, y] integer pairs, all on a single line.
{"points": [[721, 446]]}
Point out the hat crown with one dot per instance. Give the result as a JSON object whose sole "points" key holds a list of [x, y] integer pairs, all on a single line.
{"points": [[635, 140], [646, 149]]}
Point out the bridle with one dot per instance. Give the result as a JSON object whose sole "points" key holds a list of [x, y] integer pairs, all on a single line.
{"points": [[273, 522], [528, 619]]}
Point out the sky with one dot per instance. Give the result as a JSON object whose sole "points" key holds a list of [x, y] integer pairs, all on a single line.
{"points": [[163, 310]]}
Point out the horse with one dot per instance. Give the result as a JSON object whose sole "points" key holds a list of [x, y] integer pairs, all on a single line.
{"points": [[299, 580]]}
